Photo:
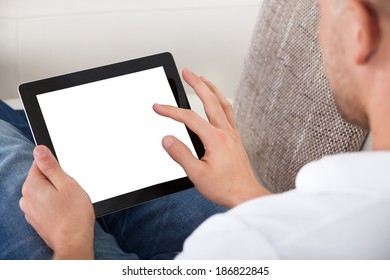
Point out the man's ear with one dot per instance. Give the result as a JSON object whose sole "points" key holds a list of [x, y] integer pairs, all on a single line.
{"points": [[365, 31]]}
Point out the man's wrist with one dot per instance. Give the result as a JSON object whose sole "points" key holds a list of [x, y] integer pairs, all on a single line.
{"points": [[75, 253], [248, 194], [81, 249]]}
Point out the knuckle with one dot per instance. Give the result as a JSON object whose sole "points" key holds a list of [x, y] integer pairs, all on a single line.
{"points": [[227, 106], [189, 114], [198, 83], [22, 205], [213, 99], [49, 166], [221, 136], [51, 169], [26, 190]]}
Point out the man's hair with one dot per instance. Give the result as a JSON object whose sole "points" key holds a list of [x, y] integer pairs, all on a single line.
{"points": [[379, 7]]}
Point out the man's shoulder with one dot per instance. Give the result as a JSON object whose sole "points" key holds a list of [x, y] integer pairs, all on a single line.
{"points": [[297, 225]]}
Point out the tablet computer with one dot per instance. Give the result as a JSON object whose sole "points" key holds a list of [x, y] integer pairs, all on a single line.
{"points": [[100, 125]]}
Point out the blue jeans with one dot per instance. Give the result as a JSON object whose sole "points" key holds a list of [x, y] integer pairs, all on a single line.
{"points": [[17, 118], [154, 230]]}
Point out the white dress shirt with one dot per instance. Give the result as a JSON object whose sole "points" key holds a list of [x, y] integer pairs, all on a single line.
{"points": [[340, 209]]}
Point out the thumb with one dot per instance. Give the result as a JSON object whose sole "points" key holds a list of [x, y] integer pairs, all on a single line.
{"points": [[182, 155], [49, 166]]}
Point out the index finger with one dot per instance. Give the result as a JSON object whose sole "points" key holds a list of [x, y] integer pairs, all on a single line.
{"points": [[198, 125]]}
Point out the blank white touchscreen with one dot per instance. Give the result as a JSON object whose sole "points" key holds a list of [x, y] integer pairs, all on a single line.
{"points": [[107, 136]]}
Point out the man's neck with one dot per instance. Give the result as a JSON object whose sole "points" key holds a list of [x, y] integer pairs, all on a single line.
{"points": [[381, 140], [379, 118]]}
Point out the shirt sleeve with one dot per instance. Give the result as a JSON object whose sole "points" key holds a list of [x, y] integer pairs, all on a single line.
{"points": [[224, 236]]}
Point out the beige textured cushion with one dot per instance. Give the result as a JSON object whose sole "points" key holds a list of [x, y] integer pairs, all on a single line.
{"points": [[284, 107]]}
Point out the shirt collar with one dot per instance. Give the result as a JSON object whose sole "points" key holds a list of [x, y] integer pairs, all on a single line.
{"points": [[362, 172]]}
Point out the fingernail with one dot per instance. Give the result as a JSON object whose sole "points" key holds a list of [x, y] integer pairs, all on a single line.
{"points": [[168, 141], [40, 151]]}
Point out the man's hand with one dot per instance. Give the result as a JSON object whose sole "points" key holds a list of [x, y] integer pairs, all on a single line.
{"points": [[224, 175], [58, 208]]}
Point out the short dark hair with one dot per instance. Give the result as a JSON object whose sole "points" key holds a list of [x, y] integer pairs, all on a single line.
{"points": [[379, 7]]}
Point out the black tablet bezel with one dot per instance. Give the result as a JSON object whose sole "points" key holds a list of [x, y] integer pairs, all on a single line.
{"points": [[29, 91]]}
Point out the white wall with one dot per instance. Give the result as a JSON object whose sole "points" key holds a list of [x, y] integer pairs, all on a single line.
{"points": [[43, 38]]}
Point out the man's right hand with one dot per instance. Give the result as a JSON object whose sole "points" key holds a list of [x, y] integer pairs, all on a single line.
{"points": [[224, 175]]}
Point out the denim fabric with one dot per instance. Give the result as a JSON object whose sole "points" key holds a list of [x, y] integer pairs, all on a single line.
{"points": [[17, 118], [154, 230], [157, 229], [18, 240]]}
